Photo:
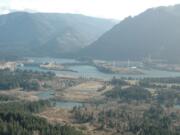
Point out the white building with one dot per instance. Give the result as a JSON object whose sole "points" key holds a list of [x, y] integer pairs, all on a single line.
{"points": [[8, 65]]}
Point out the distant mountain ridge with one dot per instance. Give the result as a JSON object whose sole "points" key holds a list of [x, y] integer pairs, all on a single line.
{"points": [[155, 33], [48, 34]]}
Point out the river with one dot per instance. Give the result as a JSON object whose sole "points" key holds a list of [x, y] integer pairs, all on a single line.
{"points": [[86, 71], [89, 71]]}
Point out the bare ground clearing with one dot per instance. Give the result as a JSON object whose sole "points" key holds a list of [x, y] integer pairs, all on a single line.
{"points": [[84, 91]]}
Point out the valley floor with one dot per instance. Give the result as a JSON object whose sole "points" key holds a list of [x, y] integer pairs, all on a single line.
{"points": [[123, 106]]}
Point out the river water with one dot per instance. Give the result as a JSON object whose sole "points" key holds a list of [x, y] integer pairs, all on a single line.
{"points": [[87, 71]]}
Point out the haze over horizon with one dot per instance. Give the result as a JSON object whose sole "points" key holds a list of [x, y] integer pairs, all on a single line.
{"points": [[114, 9]]}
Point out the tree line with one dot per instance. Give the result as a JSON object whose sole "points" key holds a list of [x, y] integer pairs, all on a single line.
{"points": [[25, 79], [16, 118]]}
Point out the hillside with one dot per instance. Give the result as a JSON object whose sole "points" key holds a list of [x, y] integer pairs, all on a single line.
{"points": [[48, 34], [154, 33]]}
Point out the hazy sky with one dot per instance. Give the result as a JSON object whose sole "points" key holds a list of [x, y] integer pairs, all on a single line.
{"points": [[117, 9]]}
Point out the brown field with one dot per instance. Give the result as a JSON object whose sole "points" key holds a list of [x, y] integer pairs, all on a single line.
{"points": [[22, 95], [84, 91]]}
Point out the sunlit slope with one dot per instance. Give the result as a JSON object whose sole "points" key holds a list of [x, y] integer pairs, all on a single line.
{"points": [[48, 34]]}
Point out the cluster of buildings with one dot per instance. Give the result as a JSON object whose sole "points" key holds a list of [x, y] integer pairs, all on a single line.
{"points": [[8, 65], [52, 65]]}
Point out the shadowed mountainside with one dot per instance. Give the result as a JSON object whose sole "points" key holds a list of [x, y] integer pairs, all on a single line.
{"points": [[153, 33]]}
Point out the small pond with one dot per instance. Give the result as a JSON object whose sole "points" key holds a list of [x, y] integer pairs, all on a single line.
{"points": [[59, 104]]}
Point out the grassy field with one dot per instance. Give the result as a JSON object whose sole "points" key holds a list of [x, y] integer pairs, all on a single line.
{"points": [[84, 91]]}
